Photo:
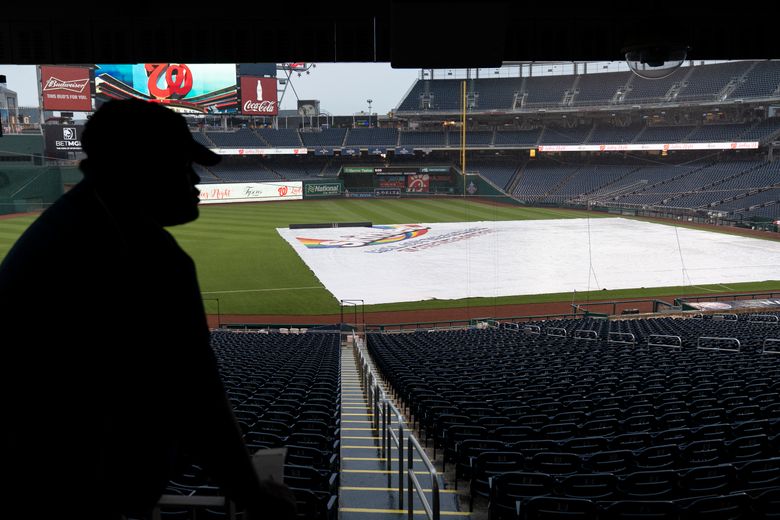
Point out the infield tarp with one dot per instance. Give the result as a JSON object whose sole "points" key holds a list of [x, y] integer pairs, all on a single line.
{"points": [[412, 262]]}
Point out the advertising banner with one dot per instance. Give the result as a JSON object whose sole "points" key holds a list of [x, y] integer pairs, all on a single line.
{"points": [[435, 169], [258, 96], [250, 192], [419, 183], [322, 189], [61, 139], [396, 170], [745, 145], [260, 151], [387, 192], [66, 88], [404, 150], [351, 152], [350, 169], [394, 181], [324, 151], [193, 88], [375, 150]]}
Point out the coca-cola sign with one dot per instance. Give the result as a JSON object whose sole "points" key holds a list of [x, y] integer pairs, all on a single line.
{"points": [[66, 88], [264, 107], [258, 96]]}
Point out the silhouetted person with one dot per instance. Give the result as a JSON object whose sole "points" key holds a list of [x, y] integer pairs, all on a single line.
{"points": [[107, 372]]}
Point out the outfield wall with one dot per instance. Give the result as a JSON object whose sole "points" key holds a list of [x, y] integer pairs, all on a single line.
{"points": [[250, 192]]}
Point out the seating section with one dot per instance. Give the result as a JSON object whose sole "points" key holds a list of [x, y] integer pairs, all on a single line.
{"points": [[601, 88], [328, 137], [243, 138], [547, 90], [281, 138], [498, 172], [284, 389], [712, 82], [372, 137], [586, 418], [438, 139], [704, 83], [762, 81]]}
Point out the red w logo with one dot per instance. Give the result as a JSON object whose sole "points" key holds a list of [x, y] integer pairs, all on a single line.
{"points": [[282, 191], [178, 80]]}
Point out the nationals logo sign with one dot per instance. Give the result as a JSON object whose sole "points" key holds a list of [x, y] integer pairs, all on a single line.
{"points": [[168, 80], [376, 235], [258, 96], [282, 191], [189, 88]]}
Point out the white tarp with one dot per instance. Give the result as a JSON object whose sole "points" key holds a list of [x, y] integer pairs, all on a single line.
{"points": [[453, 260]]}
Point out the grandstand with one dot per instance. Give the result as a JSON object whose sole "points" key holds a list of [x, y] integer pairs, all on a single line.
{"points": [[670, 416]]}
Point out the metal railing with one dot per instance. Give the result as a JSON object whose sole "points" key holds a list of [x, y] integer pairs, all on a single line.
{"points": [[773, 344], [432, 511], [625, 338], [383, 411], [652, 341], [733, 344]]}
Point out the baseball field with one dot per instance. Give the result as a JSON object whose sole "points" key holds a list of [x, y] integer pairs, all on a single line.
{"points": [[246, 267]]}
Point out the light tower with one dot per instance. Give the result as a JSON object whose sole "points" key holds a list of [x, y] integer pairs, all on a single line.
{"points": [[369, 101]]}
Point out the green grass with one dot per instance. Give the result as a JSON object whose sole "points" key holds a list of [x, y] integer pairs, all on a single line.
{"points": [[244, 264]]}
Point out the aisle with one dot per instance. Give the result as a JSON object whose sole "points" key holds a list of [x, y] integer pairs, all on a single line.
{"points": [[367, 489]]}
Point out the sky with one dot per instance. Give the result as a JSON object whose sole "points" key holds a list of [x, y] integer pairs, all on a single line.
{"points": [[342, 88]]}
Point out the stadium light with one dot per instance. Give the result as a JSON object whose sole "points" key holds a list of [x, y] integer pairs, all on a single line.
{"points": [[369, 101]]}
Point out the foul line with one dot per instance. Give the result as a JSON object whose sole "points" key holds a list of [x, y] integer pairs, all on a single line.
{"points": [[263, 290]]}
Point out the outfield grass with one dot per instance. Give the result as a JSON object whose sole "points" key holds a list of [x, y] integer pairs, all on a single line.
{"points": [[244, 264]]}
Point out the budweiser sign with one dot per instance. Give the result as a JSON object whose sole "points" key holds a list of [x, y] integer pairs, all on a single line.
{"points": [[258, 96], [66, 88], [263, 107], [73, 85]]}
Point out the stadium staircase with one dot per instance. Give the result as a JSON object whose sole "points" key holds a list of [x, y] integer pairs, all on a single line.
{"points": [[369, 484]]}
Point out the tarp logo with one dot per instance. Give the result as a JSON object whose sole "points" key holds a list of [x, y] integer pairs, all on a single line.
{"points": [[377, 235]]}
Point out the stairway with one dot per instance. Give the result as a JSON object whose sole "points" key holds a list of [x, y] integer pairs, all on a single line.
{"points": [[368, 488]]}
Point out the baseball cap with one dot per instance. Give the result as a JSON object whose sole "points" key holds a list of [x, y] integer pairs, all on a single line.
{"points": [[134, 130]]}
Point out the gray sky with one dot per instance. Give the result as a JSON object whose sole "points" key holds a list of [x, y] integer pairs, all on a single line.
{"points": [[342, 88]]}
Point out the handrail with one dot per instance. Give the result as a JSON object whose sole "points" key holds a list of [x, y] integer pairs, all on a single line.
{"points": [[586, 334], [557, 332], [382, 407], [720, 339], [651, 337], [624, 335], [431, 511], [770, 341]]}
